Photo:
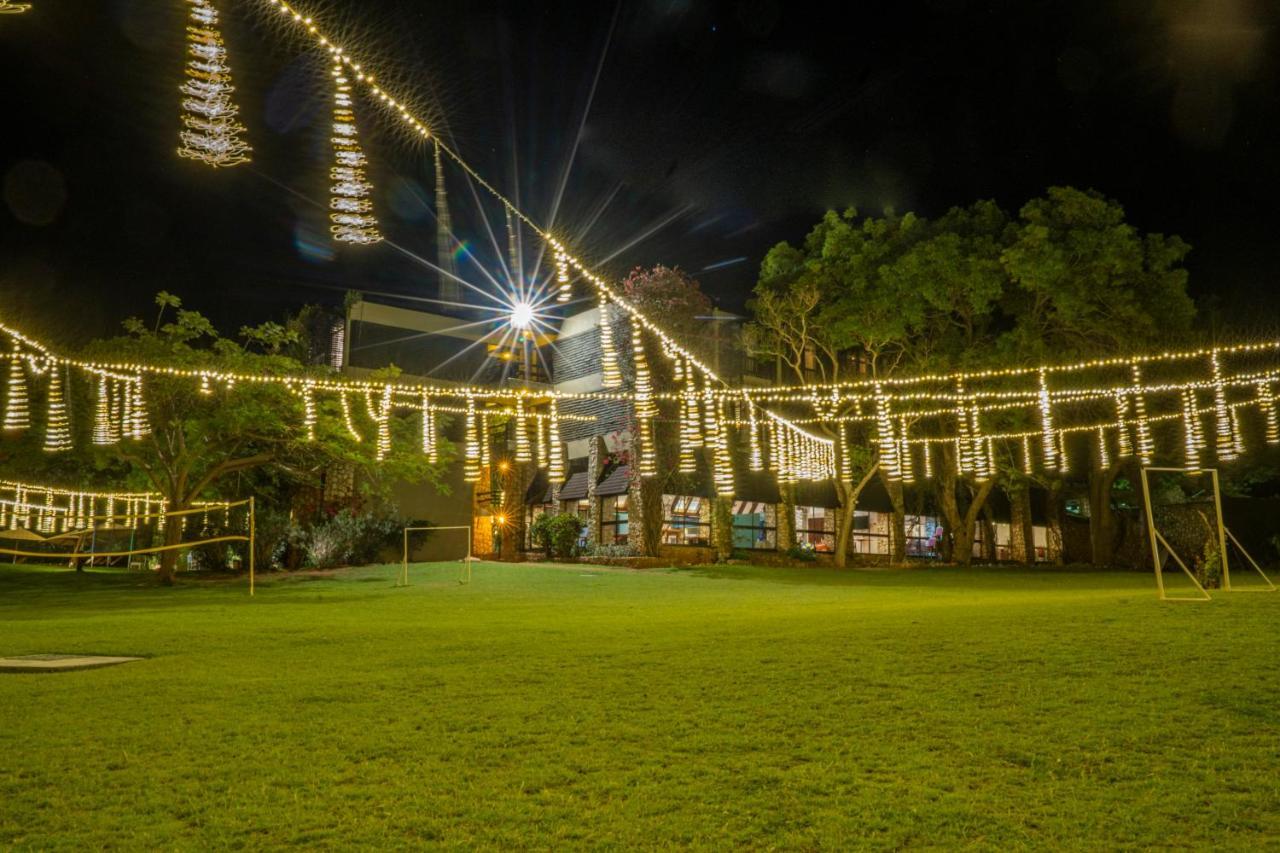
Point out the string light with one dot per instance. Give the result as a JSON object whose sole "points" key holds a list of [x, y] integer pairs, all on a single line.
{"points": [[471, 456], [555, 461], [1224, 424], [486, 440], [885, 437], [347, 419], [17, 404], [429, 434], [523, 451], [351, 210], [564, 285], [383, 421], [1048, 444], [1123, 441], [57, 428], [1104, 456], [444, 229], [309, 412], [212, 132], [1145, 445], [721, 461], [647, 458], [10, 8], [904, 453], [539, 427], [645, 407], [753, 439], [611, 376], [1266, 399], [1193, 436], [138, 425]]}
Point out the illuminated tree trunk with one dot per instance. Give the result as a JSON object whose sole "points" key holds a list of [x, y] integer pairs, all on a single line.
{"points": [[1102, 519], [722, 526], [849, 494], [1022, 544], [960, 525], [1053, 523], [897, 519], [786, 516], [173, 528]]}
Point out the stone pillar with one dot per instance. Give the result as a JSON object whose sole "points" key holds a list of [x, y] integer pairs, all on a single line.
{"points": [[635, 515], [595, 459]]}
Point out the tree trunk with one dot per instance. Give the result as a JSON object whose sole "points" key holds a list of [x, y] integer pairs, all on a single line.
{"points": [[650, 516], [1053, 522], [1022, 542], [960, 526], [786, 516], [173, 527], [945, 485], [722, 527], [1102, 520], [849, 494], [989, 551], [898, 519]]}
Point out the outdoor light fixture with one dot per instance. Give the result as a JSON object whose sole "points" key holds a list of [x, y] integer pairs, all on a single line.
{"points": [[521, 315]]}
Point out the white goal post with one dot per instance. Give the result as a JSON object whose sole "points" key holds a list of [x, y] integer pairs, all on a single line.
{"points": [[464, 571]]}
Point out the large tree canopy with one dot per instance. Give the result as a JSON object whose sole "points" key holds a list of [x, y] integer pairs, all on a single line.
{"points": [[200, 436], [1066, 278]]}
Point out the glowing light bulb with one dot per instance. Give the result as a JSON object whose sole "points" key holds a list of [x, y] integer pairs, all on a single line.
{"points": [[521, 315]]}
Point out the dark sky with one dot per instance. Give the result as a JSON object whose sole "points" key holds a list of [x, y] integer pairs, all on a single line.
{"points": [[734, 123]]}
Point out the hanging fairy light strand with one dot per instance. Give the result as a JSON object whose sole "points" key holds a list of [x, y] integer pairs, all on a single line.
{"points": [[351, 211], [212, 133], [57, 428], [17, 404], [611, 376]]}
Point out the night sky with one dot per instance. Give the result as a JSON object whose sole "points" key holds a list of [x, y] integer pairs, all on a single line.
{"points": [[717, 129]]}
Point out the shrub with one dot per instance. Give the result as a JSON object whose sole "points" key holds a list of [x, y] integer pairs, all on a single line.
{"points": [[557, 534], [802, 552], [610, 551], [1209, 566], [272, 530], [348, 538]]}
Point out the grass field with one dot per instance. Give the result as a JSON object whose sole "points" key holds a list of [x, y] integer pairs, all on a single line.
{"points": [[571, 706]]}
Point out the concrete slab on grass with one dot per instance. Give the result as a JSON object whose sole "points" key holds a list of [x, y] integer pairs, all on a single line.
{"points": [[58, 663]]}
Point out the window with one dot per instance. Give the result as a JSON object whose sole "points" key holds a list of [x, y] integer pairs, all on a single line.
{"points": [[755, 525], [582, 509], [816, 528], [531, 516], [614, 520], [686, 520]]}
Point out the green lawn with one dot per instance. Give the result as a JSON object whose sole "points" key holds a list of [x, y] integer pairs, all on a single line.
{"points": [[572, 706]]}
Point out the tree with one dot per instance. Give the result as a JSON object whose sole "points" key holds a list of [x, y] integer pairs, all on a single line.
{"points": [[677, 298], [199, 437], [901, 294], [1084, 283], [877, 296]]}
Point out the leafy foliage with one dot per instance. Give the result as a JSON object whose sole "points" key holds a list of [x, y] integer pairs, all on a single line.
{"points": [[557, 534]]}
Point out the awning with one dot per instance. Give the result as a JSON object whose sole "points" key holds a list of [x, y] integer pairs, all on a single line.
{"points": [[616, 483], [576, 488]]}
